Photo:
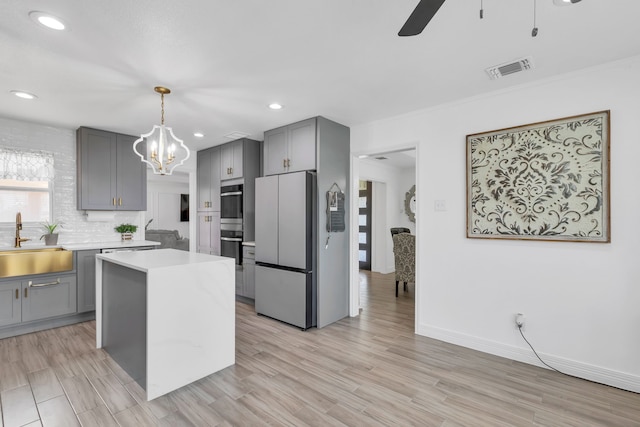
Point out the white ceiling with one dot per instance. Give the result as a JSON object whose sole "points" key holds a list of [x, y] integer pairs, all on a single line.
{"points": [[225, 61]]}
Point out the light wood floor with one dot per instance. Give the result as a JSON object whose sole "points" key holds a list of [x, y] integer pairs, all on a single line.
{"points": [[365, 371]]}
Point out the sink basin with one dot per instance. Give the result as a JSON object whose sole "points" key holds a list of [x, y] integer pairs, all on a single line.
{"points": [[22, 262]]}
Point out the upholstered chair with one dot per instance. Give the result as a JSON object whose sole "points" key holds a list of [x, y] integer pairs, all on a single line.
{"points": [[404, 252], [396, 230]]}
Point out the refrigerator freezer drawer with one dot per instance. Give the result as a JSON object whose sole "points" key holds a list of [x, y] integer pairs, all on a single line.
{"points": [[285, 295]]}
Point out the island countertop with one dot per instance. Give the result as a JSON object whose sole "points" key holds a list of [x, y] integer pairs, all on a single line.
{"points": [[161, 258]]}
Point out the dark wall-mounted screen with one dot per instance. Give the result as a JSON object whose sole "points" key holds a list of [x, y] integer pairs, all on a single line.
{"points": [[184, 207]]}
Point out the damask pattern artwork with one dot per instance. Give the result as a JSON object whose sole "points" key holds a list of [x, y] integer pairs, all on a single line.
{"points": [[542, 181]]}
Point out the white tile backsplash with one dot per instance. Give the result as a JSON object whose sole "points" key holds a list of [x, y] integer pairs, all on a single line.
{"points": [[62, 143]]}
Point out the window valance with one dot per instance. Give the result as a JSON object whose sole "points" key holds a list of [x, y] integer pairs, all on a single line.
{"points": [[26, 165]]}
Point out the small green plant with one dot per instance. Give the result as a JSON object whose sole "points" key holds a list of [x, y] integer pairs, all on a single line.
{"points": [[50, 227], [126, 228]]}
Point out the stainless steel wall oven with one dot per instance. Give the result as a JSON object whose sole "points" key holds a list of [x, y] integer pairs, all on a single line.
{"points": [[231, 222]]}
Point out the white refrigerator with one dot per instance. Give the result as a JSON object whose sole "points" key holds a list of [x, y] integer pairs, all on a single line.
{"points": [[286, 216]]}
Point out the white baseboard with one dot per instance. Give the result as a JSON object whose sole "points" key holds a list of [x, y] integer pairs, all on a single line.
{"points": [[524, 354]]}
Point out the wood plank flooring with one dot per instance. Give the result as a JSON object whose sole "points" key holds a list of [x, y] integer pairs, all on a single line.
{"points": [[366, 371]]}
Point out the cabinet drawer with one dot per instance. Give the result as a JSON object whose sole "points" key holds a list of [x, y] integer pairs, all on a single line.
{"points": [[248, 253], [48, 296]]}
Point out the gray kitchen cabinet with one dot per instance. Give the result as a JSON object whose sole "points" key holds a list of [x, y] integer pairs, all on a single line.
{"points": [[37, 297], [10, 303], [208, 176], [208, 233], [240, 159], [110, 175], [248, 272], [290, 148], [86, 272], [231, 160], [48, 296]]}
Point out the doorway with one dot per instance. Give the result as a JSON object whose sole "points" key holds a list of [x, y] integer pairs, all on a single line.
{"points": [[391, 176], [364, 225]]}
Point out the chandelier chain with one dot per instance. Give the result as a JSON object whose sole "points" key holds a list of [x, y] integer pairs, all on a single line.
{"points": [[162, 109]]}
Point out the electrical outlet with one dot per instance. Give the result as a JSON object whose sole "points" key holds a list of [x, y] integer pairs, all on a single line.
{"points": [[519, 320]]}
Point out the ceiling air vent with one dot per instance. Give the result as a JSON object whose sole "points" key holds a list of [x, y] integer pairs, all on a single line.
{"points": [[502, 70], [236, 135], [381, 158]]}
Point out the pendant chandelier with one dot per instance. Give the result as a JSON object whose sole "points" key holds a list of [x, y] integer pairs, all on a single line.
{"points": [[160, 148]]}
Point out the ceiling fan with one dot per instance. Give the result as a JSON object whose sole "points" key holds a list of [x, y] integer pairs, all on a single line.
{"points": [[426, 9]]}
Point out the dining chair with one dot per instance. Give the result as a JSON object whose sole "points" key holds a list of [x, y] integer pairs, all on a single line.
{"points": [[404, 252]]}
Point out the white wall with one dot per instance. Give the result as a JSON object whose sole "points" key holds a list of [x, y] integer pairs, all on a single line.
{"points": [[581, 300], [396, 183], [62, 143]]}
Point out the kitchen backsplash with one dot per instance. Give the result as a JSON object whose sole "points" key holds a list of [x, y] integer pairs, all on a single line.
{"points": [[76, 228]]}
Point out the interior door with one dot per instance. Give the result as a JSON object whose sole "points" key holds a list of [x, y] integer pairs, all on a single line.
{"points": [[364, 222]]}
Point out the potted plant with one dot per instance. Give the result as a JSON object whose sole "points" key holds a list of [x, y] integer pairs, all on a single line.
{"points": [[50, 237], [126, 230]]}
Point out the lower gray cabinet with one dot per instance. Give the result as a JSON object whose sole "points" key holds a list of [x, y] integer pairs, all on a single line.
{"points": [[86, 269], [208, 233], [10, 303], [248, 272], [38, 297]]}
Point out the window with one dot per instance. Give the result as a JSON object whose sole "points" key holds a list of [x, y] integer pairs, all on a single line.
{"points": [[26, 185]]}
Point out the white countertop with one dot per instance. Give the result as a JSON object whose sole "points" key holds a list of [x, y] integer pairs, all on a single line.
{"points": [[116, 244], [159, 258]]}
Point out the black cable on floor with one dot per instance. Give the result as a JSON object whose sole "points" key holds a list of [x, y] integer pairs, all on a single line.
{"points": [[539, 358], [559, 371]]}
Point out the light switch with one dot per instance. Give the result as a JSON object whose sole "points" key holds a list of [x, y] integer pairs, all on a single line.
{"points": [[439, 206]]}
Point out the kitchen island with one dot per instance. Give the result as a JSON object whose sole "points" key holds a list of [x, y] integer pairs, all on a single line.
{"points": [[167, 317]]}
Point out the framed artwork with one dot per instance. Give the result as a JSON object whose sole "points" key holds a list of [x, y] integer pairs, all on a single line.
{"points": [[541, 181]]}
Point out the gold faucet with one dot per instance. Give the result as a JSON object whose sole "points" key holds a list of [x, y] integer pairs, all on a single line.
{"points": [[18, 239]]}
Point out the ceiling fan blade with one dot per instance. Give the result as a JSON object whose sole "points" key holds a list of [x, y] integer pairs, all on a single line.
{"points": [[420, 17]]}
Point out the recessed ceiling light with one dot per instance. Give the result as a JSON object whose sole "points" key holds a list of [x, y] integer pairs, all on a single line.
{"points": [[275, 106], [198, 134], [47, 20], [363, 156], [24, 95]]}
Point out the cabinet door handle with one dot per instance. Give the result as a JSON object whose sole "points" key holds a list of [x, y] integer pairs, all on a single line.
{"points": [[288, 163], [120, 201], [40, 285], [284, 163], [17, 293], [25, 292], [114, 201]]}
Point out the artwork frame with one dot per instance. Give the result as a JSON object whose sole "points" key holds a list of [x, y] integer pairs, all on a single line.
{"points": [[545, 181]]}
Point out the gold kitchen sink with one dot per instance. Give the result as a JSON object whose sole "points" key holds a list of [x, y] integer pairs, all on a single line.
{"points": [[22, 262]]}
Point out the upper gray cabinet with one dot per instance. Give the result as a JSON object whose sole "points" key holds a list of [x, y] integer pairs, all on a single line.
{"points": [[110, 175], [290, 148], [231, 158], [209, 179]]}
